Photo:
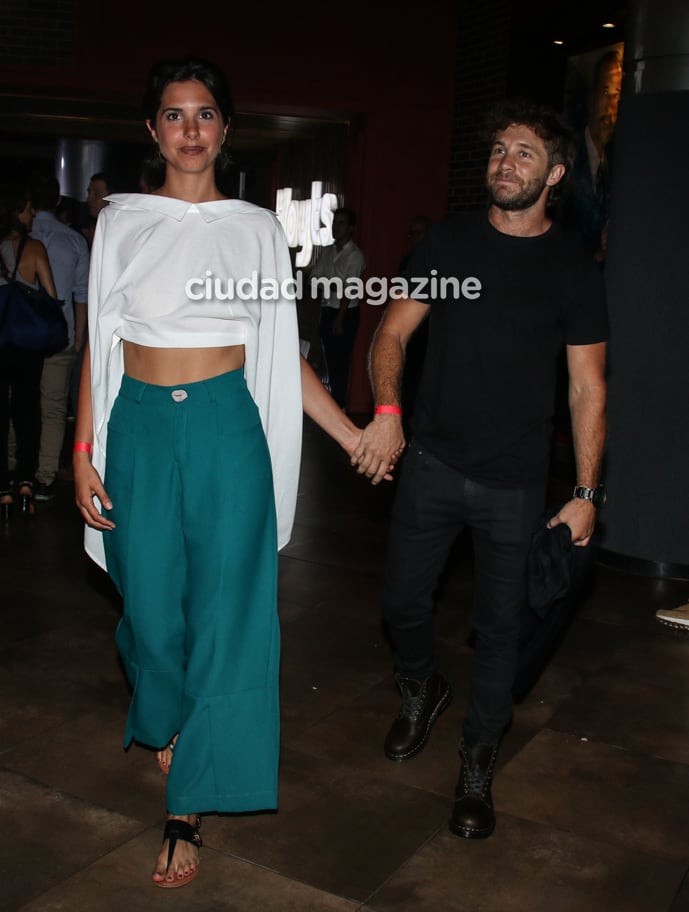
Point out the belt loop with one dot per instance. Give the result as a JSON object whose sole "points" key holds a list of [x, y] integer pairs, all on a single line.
{"points": [[142, 389], [210, 390]]}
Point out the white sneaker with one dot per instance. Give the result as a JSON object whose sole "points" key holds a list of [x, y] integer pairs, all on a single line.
{"points": [[674, 617]]}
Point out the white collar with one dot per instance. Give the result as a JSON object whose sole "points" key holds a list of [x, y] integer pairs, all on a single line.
{"points": [[177, 208]]}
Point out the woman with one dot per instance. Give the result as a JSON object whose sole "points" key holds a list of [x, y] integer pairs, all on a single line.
{"points": [[194, 503], [20, 372]]}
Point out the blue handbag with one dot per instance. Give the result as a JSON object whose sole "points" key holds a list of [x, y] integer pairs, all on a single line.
{"points": [[30, 319]]}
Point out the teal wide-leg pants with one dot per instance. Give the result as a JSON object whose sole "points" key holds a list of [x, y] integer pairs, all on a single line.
{"points": [[194, 555]]}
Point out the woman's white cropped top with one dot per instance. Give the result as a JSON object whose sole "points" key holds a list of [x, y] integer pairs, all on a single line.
{"points": [[167, 273]]}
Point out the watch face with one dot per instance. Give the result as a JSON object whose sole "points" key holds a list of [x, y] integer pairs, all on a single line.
{"points": [[599, 496]]}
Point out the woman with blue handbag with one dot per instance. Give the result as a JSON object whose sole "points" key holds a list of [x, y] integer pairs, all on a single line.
{"points": [[20, 371]]}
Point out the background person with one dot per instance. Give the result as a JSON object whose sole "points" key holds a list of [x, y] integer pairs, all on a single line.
{"points": [[342, 260], [98, 189], [67, 211], [20, 372], [586, 204], [69, 260]]}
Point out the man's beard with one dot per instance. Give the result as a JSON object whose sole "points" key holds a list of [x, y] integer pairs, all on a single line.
{"points": [[525, 197]]}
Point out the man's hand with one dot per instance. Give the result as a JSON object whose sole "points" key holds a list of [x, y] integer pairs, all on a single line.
{"points": [[580, 516], [382, 443]]}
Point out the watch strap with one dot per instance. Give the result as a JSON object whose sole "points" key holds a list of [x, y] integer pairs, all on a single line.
{"points": [[593, 495]]}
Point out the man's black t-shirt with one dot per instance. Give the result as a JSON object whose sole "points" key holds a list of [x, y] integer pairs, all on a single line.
{"points": [[486, 397]]}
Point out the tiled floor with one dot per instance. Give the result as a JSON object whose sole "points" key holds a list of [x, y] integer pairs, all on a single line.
{"points": [[592, 788]]}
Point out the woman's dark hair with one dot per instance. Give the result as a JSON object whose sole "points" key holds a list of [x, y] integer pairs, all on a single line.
{"points": [[152, 175], [167, 71], [13, 200]]}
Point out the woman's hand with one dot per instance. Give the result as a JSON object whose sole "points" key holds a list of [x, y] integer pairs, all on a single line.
{"points": [[87, 485], [381, 445]]}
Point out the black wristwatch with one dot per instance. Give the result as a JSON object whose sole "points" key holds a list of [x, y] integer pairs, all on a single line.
{"points": [[596, 496]]}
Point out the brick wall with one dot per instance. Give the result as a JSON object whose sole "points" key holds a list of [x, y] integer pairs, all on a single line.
{"points": [[483, 51], [36, 32]]}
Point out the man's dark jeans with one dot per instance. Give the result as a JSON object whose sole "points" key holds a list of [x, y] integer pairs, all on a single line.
{"points": [[434, 503]]}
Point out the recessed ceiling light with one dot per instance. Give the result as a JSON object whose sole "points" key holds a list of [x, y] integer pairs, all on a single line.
{"points": [[608, 25]]}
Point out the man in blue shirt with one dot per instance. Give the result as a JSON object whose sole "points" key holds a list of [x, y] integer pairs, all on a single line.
{"points": [[69, 260]]}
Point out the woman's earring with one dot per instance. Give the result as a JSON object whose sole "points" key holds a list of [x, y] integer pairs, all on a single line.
{"points": [[159, 155]]}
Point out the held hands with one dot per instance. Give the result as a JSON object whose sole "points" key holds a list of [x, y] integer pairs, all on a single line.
{"points": [[87, 485], [580, 516], [381, 445]]}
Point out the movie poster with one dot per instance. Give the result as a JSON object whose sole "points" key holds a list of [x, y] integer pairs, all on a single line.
{"points": [[592, 96]]}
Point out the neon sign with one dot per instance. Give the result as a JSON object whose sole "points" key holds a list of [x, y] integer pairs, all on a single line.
{"points": [[307, 223]]}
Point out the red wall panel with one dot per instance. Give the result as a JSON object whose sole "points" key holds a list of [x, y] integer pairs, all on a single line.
{"points": [[387, 67]]}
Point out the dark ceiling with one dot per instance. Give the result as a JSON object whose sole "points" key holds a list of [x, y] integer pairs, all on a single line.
{"points": [[536, 68], [537, 64], [579, 25]]}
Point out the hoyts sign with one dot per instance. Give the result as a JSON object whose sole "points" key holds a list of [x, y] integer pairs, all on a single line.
{"points": [[307, 223]]}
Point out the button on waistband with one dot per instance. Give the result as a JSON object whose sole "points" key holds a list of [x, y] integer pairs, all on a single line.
{"points": [[179, 395]]}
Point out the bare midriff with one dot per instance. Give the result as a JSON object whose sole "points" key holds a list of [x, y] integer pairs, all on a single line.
{"points": [[170, 366]]}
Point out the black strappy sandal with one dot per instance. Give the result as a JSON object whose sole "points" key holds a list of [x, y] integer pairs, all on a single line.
{"points": [[174, 831], [6, 505], [25, 500]]}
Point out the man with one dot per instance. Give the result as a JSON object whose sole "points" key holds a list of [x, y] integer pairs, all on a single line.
{"points": [[96, 192], [69, 261], [478, 458], [418, 227], [342, 260], [586, 206]]}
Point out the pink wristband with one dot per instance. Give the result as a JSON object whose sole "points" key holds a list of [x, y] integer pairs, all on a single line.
{"points": [[83, 447], [387, 410]]}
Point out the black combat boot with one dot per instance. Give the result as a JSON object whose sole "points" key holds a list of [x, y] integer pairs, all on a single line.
{"points": [[473, 816], [422, 703]]}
